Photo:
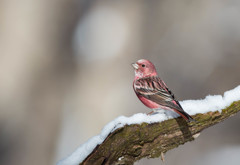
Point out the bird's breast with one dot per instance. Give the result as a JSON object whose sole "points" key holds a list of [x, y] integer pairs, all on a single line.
{"points": [[147, 102]]}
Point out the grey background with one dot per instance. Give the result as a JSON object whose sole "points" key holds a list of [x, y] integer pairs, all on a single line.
{"points": [[65, 71]]}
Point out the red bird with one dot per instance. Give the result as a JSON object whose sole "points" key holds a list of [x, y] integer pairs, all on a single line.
{"points": [[153, 92]]}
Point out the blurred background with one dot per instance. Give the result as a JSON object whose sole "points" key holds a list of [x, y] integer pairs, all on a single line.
{"points": [[65, 71]]}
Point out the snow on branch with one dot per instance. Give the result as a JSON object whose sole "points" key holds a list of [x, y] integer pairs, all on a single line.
{"points": [[128, 139]]}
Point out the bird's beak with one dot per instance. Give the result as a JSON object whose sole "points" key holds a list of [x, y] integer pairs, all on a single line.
{"points": [[135, 66]]}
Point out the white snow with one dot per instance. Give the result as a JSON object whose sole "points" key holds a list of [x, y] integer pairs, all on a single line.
{"points": [[210, 103]]}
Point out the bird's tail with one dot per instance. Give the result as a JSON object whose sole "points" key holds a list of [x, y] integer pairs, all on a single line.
{"points": [[185, 115]]}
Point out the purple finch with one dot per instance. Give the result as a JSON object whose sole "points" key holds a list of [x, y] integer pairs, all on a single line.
{"points": [[153, 92]]}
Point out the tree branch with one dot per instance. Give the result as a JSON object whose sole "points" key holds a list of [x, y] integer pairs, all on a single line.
{"points": [[133, 142]]}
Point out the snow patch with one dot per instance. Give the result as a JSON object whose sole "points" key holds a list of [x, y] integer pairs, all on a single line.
{"points": [[211, 103]]}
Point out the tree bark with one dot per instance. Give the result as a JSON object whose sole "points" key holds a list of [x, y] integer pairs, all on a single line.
{"points": [[134, 142]]}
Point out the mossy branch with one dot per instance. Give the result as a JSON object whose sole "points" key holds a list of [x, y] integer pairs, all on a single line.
{"points": [[133, 142]]}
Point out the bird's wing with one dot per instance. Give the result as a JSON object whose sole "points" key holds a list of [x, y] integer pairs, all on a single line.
{"points": [[154, 89]]}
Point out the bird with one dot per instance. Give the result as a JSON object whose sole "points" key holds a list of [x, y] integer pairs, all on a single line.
{"points": [[152, 90]]}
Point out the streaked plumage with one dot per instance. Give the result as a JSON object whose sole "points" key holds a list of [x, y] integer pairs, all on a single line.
{"points": [[152, 91]]}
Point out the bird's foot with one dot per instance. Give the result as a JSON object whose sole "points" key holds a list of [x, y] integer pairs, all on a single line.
{"points": [[150, 113]]}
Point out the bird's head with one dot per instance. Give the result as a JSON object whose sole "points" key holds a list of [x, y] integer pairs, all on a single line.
{"points": [[144, 68]]}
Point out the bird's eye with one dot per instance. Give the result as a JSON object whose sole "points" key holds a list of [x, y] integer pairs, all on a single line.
{"points": [[143, 65]]}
